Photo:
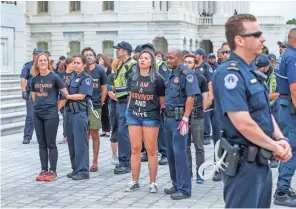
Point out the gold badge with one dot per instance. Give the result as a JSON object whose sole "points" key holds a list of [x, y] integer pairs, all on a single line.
{"points": [[77, 80], [253, 80], [233, 64], [176, 80]]}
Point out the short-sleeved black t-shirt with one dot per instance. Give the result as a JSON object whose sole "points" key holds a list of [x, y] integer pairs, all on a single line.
{"points": [[65, 76], [99, 78], [46, 89], [203, 85], [144, 96]]}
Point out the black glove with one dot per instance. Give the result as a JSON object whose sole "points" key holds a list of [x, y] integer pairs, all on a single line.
{"points": [[25, 95], [63, 95]]}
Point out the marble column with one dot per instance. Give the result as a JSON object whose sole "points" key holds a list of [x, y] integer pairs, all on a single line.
{"points": [[200, 7]]}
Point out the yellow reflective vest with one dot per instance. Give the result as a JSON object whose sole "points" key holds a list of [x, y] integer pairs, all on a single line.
{"points": [[120, 81], [271, 83]]}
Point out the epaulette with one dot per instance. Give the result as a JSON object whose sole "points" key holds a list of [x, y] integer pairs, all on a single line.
{"points": [[233, 65]]}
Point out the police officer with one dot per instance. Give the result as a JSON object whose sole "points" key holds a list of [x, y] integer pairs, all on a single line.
{"points": [[26, 79], [162, 68], [80, 90], [204, 68], [272, 59], [212, 61], [182, 87], [286, 80], [137, 52], [123, 53], [242, 106]]}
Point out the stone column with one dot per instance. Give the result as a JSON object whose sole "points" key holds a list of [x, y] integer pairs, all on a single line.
{"points": [[157, 6], [200, 7]]}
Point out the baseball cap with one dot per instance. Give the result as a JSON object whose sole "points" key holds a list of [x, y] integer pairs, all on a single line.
{"points": [[200, 51], [271, 56], [124, 45], [283, 44], [62, 58], [148, 45], [47, 52], [36, 51], [138, 48], [262, 61], [211, 55]]}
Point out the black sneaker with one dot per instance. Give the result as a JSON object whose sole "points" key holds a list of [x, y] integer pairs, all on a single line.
{"points": [[26, 141], [70, 175], [287, 198], [122, 170], [179, 196], [79, 177], [217, 176], [132, 186], [274, 163], [171, 190], [163, 161]]}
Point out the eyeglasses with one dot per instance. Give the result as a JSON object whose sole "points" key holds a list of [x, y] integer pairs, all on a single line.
{"points": [[257, 34], [225, 52]]}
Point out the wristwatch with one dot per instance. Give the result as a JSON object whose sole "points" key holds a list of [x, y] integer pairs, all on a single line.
{"points": [[283, 138]]}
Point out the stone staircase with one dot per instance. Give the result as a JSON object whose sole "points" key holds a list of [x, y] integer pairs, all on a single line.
{"points": [[13, 107]]}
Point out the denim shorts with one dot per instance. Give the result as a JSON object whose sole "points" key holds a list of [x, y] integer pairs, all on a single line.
{"points": [[134, 120]]}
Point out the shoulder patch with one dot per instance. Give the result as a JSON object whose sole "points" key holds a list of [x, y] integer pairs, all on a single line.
{"points": [[230, 81], [164, 68], [190, 78], [88, 81]]}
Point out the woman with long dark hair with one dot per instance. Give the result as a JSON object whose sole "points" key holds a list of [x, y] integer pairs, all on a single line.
{"points": [[105, 62], [45, 91], [146, 89]]}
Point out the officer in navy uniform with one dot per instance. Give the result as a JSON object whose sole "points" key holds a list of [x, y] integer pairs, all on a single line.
{"points": [[212, 61], [181, 89], [164, 72], [250, 133], [80, 91], [26, 79], [286, 84]]}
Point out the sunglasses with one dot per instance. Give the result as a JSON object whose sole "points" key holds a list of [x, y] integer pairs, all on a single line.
{"points": [[257, 34], [225, 52]]}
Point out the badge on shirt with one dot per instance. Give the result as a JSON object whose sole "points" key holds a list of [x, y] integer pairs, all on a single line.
{"points": [[190, 78], [164, 68], [201, 69], [211, 70], [77, 80], [253, 81], [87, 81], [230, 81], [176, 80]]}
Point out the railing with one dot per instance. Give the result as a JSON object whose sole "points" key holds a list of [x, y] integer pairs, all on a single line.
{"points": [[205, 20], [9, 2]]}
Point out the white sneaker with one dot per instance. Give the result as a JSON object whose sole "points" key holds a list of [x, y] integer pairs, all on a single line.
{"points": [[114, 160], [132, 186], [153, 188]]}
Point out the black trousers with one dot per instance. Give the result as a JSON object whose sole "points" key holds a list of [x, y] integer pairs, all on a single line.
{"points": [[105, 118], [46, 132]]}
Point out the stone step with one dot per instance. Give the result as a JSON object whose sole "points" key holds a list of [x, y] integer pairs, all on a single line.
{"points": [[10, 76], [13, 117], [10, 99], [13, 128], [10, 83], [11, 91], [14, 107]]}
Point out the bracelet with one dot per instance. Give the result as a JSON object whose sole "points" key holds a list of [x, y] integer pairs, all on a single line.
{"points": [[284, 138]]}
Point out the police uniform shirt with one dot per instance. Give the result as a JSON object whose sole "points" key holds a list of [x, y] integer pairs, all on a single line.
{"points": [[182, 83], [81, 84], [110, 81], [99, 78], [46, 89], [232, 93], [206, 70], [26, 73], [163, 71], [203, 86], [287, 68], [144, 96]]}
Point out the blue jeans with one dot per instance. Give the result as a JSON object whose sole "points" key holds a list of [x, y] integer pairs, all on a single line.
{"points": [[134, 120], [287, 123], [177, 157], [251, 187], [124, 144]]}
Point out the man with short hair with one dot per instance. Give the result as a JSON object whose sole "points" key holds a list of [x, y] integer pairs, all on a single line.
{"points": [[220, 56], [212, 61], [123, 53], [99, 77], [196, 118], [26, 79], [137, 52], [225, 50], [250, 132]]}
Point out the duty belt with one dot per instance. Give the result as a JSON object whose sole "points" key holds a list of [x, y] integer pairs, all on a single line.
{"points": [[76, 107], [287, 97], [123, 99]]}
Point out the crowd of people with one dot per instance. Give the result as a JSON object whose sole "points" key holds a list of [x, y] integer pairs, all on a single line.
{"points": [[151, 105]]}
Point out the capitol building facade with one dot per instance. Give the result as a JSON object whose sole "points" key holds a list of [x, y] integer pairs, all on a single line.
{"points": [[66, 27]]}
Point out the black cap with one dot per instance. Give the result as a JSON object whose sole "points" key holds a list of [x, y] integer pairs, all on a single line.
{"points": [[138, 49], [62, 58], [47, 52], [36, 51], [201, 51], [271, 56], [262, 61], [148, 45], [124, 45]]}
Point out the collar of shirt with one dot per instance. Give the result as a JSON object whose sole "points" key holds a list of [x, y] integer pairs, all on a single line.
{"points": [[291, 48], [242, 62], [176, 71]]}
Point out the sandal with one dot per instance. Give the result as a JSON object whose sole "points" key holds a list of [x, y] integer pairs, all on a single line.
{"points": [[93, 168]]}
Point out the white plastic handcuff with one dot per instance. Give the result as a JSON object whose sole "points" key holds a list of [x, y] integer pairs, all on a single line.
{"points": [[212, 166], [97, 115]]}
